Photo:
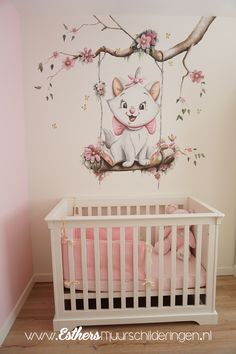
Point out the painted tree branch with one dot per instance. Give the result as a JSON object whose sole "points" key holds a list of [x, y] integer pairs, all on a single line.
{"points": [[158, 55]]}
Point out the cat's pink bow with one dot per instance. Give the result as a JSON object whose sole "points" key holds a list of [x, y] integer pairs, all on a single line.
{"points": [[134, 81], [119, 127]]}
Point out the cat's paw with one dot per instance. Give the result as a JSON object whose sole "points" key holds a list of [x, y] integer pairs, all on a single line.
{"points": [[127, 163], [144, 162]]}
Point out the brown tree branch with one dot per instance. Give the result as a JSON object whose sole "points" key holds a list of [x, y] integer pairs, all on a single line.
{"points": [[119, 27], [187, 71], [158, 55]]}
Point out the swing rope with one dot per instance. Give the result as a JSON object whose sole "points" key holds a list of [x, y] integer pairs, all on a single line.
{"points": [[161, 68], [100, 98]]}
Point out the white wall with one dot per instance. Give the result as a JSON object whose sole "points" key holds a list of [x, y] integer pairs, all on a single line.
{"points": [[54, 154]]}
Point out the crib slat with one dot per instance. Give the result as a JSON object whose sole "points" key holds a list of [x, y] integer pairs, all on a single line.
{"points": [[97, 268], [122, 267], [186, 261], [210, 265], [99, 210], [118, 210], [58, 285], [110, 267], [89, 210], [198, 264], [84, 268], [138, 209], [148, 266], [71, 269], [161, 267], [128, 210], [109, 210], [173, 265], [135, 266]]}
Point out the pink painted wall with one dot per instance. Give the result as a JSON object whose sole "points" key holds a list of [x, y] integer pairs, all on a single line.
{"points": [[15, 242]]}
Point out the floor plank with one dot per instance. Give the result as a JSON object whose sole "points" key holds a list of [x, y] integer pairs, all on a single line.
{"points": [[38, 311]]}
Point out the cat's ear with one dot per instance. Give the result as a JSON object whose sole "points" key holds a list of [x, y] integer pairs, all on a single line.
{"points": [[155, 90], [117, 86]]}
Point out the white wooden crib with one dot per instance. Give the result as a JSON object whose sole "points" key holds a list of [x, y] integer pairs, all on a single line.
{"points": [[167, 289]]}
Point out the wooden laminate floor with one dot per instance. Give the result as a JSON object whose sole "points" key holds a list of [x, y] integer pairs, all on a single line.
{"points": [[37, 314]]}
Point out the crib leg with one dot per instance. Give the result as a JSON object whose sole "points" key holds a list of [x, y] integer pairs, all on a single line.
{"points": [[207, 319]]}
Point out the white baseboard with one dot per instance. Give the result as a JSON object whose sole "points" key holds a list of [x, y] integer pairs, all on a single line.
{"points": [[226, 270], [42, 277], [234, 272], [11, 318]]}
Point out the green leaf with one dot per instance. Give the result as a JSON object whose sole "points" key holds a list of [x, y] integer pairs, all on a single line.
{"points": [[195, 163], [47, 98], [203, 155], [196, 156], [188, 111], [52, 66], [38, 87], [188, 159], [203, 83], [72, 38], [200, 94], [40, 67], [184, 110], [64, 37], [179, 117], [50, 84], [51, 95], [65, 26], [199, 155], [203, 90], [177, 100]]}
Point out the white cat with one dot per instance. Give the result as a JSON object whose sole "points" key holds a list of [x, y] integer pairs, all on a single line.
{"points": [[134, 117]]}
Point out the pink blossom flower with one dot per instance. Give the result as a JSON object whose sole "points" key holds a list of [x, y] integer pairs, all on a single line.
{"points": [[164, 146], [177, 153], [157, 176], [86, 56], [154, 172], [144, 41], [92, 154], [153, 37], [55, 54], [100, 88], [100, 176], [189, 149], [196, 76], [74, 30], [68, 63]]}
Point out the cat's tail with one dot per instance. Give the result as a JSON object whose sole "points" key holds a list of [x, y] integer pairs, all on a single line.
{"points": [[109, 138]]}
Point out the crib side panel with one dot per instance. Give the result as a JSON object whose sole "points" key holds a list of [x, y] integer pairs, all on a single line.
{"points": [[135, 288]]}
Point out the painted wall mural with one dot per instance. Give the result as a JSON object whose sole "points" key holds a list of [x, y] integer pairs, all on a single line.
{"points": [[137, 103]]}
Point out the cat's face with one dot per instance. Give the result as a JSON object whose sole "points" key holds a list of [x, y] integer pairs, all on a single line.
{"points": [[135, 106]]}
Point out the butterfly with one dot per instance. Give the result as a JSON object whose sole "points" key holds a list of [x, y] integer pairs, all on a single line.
{"points": [[54, 125], [168, 35]]}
